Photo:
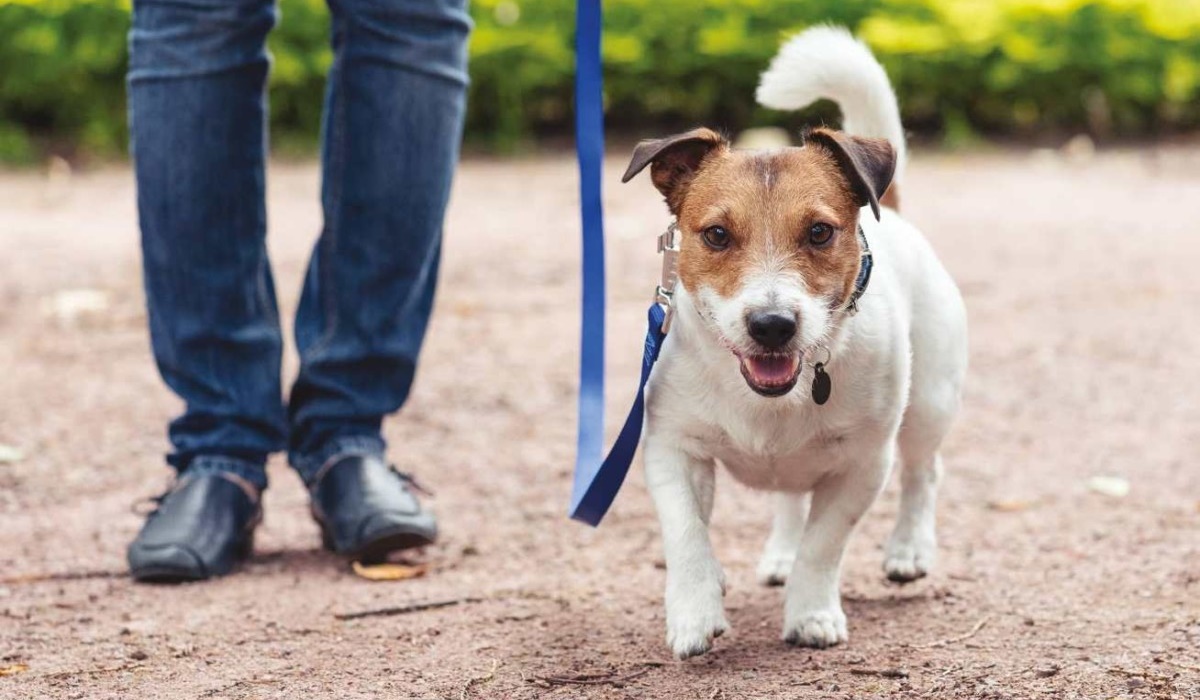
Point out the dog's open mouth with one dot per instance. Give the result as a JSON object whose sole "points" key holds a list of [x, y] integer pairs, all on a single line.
{"points": [[772, 374]]}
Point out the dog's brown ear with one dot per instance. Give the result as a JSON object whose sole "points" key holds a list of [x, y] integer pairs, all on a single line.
{"points": [[675, 160], [868, 163]]}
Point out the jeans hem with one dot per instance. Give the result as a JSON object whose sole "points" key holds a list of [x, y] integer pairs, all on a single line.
{"points": [[253, 472], [310, 465]]}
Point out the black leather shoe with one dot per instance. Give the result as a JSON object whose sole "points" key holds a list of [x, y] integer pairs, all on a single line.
{"points": [[201, 528], [367, 509]]}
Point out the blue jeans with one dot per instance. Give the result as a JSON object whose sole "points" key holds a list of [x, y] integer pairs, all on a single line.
{"points": [[390, 136]]}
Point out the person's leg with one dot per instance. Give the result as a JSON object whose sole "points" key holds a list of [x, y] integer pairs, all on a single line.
{"points": [[197, 115], [393, 122], [197, 109]]}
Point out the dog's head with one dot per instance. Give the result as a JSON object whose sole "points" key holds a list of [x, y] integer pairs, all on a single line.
{"points": [[768, 248]]}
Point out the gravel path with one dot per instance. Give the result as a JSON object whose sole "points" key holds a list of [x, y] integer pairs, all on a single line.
{"points": [[1081, 282]]}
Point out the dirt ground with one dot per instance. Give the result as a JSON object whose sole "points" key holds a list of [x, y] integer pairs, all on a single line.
{"points": [[1081, 281]]}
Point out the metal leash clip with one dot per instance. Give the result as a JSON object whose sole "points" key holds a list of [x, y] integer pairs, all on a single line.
{"points": [[664, 293]]}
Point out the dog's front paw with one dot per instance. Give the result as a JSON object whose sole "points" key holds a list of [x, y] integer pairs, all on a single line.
{"points": [[774, 567], [908, 559], [695, 617], [693, 636], [816, 628]]}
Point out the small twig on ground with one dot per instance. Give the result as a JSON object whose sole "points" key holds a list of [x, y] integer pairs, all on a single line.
{"points": [[239, 684], [91, 671], [1139, 674], [881, 672], [61, 576], [405, 609], [951, 640], [435, 604], [478, 680], [592, 678]]}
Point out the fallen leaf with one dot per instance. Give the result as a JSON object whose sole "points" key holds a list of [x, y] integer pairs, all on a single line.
{"points": [[388, 571], [1013, 506], [13, 670], [10, 454], [1112, 486]]}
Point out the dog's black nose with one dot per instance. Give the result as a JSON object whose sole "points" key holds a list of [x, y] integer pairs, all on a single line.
{"points": [[772, 330]]}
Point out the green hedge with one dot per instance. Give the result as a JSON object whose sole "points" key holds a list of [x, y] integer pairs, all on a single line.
{"points": [[1013, 67]]}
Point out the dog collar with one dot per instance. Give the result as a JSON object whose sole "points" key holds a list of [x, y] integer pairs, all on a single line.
{"points": [[864, 274]]}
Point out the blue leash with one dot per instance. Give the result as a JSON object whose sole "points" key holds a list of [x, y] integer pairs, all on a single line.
{"points": [[597, 480]]}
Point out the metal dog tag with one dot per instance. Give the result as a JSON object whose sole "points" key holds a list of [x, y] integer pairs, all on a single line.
{"points": [[821, 386]]}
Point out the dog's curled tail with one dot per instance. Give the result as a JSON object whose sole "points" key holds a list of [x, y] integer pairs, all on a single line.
{"points": [[827, 62]]}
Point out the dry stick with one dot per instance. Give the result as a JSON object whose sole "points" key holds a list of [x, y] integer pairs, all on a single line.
{"points": [[236, 684], [435, 604], [61, 576], [951, 640], [479, 679], [1139, 674], [591, 678], [405, 609], [91, 671], [883, 672]]}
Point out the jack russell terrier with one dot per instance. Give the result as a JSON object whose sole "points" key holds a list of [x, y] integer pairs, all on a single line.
{"points": [[776, 250]]}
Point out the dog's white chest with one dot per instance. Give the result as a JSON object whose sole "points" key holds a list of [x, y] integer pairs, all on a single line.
{"points": [[776, 453]]}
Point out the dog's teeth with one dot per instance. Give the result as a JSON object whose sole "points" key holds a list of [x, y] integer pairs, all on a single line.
{"points": [[772, 370]]}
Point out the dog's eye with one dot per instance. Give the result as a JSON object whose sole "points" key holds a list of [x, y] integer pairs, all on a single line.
{"points": [[715, 237], [820, 234]]}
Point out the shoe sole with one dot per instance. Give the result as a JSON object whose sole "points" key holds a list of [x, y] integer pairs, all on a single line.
{"points": [[155, 574], [174, 574], [377, 549]]}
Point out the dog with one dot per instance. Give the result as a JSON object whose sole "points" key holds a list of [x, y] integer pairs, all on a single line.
{"points": [[773, 248]]}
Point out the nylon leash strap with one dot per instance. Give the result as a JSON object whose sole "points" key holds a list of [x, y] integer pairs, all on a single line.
{"points": [[597, 478]]}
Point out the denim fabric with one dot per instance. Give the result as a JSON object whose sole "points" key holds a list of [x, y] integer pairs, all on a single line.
{"points": [[393, 120]]}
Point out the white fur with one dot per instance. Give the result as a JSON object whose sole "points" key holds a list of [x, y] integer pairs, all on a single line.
{"points": [[897, 369], [828, 63]]}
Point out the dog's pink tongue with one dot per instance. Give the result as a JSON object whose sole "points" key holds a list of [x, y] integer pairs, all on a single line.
{"points": [[770, 370]]}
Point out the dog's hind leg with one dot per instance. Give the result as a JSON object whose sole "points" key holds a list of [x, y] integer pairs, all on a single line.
{"points": [[912, 549], [787, 528]]}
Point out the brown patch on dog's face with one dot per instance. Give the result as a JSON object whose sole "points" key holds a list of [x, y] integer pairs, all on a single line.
{"points": [[768, 203]]}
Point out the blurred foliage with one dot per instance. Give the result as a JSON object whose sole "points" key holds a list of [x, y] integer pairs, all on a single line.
{"points": [[1012, 67]]}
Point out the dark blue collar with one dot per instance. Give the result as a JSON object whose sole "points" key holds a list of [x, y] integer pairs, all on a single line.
{"points": [[864, 274]]}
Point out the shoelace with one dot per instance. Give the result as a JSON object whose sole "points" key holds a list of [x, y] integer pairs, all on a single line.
{"points": [[149, 506], [411, 480]]}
